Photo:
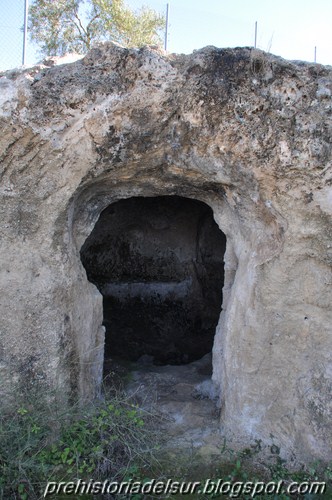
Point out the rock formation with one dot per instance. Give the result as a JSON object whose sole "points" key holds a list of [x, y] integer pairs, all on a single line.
{"points": [[248, 134]]}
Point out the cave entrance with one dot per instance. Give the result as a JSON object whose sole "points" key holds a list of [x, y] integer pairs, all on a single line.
{"points": [[158, 262]]}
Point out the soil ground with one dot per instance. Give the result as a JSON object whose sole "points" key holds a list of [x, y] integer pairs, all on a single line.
{"points": [[184, 397]]}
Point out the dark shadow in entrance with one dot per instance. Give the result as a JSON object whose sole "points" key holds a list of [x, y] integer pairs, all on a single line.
{"points": [[158, 263]]}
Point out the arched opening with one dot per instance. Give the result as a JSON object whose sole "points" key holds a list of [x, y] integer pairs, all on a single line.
{"points": [[158, 262]]}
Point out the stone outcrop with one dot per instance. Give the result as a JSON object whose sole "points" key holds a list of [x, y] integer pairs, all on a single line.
{"points": [[245, 132]]}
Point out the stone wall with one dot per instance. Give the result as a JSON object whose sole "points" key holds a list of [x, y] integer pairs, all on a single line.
{"points": [[245, 132]]}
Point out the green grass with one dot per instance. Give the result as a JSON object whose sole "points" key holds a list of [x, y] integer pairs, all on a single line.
{"points": [[115, 440], [253, 464], [110, 440]]}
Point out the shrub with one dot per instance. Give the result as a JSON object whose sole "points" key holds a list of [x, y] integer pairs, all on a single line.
{"points": [[108, 440]]}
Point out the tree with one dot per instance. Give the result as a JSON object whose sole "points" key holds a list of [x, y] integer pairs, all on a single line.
{"points": [[61, 26]]}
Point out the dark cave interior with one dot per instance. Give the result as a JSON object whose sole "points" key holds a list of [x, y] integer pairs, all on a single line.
{"points": [[159, 264]]}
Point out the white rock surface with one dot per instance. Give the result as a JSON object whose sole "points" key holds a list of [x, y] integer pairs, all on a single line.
{"points": [[244, 131]]}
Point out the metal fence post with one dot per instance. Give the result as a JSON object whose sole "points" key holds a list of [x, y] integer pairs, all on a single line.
{"points": [[166, 27], [25, 31]]}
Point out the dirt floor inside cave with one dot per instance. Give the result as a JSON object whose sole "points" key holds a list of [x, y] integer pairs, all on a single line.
{"points": [[182, 395]]}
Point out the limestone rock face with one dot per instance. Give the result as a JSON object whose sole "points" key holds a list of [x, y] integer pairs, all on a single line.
{"points": [[245, 132]]}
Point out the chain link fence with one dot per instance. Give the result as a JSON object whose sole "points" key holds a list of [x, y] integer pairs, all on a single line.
{"points": [[11, 35], [12, 31]]}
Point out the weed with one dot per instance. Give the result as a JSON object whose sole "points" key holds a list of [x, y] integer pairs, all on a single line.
{"points": [[253, 465], [117, 441], [111, 440]]}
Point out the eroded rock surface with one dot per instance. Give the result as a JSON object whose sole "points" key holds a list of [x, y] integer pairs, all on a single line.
{"points": [[245, 132]]}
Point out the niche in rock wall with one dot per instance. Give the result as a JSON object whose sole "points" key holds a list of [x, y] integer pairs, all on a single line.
{"points": [[158, 263]]}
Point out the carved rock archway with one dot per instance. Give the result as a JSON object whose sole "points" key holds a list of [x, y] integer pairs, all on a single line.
{"points": [[242, 131]]}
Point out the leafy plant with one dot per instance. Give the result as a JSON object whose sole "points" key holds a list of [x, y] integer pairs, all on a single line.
{"points": [[109, 441], [253, 464], [60, 26], [116, 440]]}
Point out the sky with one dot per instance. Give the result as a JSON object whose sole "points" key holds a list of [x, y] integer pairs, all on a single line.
{"points": [[288, 28]]}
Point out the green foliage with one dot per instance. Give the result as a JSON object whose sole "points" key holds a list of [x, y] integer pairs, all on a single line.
{"points": [[60, 26], [248, 465], [253, 464], [116, 440], [126, 27], [110, 441]]}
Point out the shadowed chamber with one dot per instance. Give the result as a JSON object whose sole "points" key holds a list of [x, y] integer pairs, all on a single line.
{"points": [[158, 263]]}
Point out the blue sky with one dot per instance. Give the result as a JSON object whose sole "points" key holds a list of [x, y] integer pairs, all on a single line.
{"points": [[289, 28]]}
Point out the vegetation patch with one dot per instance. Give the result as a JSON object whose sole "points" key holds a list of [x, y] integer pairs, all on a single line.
{"points": [[111, 440], [116, 441]]}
